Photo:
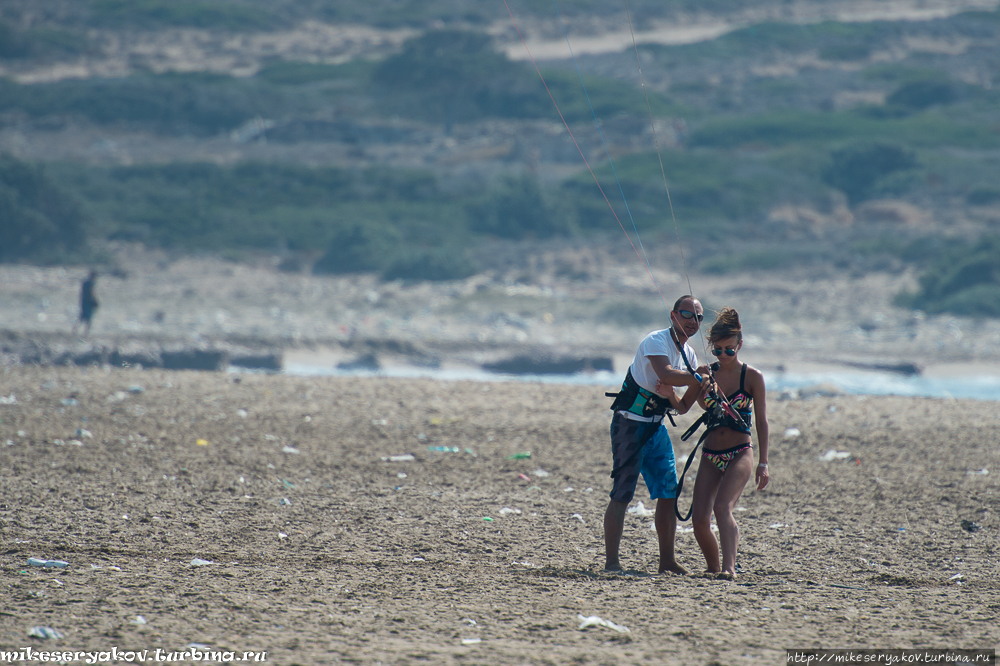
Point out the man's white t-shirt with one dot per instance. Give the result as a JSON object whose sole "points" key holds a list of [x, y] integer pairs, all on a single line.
{"points": [[659, 343]]}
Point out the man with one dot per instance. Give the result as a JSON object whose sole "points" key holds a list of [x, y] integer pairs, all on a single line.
{"points": [[639, 440], [88, 303]]}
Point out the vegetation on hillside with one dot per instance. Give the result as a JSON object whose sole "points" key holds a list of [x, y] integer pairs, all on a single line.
{"points": [[38, 220], [746, 144], [964, 280], [40, 43]]}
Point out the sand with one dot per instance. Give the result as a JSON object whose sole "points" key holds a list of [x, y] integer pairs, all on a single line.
{"points": [[324, 552]]}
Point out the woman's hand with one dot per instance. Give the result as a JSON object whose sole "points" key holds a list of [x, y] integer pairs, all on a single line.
{"points": [[762, 476]]}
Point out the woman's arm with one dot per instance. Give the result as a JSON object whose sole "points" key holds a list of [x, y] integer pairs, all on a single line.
{"points": [[759, 393]]}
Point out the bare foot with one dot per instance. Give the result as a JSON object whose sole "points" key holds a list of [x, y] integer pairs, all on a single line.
{"points": [[725, 575], [673, 567], [612, 567]]}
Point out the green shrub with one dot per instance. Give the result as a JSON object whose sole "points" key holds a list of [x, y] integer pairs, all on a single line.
{"points": [[634, 313], [361, 248], [434, 264], [293, 72], [40, 43], [857, 170], [965, 280], [194, 104], [983, 196], [923, 94], [454, 76], [151, 14], [516, 208], [761, 260], [38, 221]]}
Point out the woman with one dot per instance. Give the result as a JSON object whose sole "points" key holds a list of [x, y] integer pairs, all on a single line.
{"points": [[727, 455]]}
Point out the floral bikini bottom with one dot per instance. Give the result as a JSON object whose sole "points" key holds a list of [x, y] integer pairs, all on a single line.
{"points": [[721, 459]]}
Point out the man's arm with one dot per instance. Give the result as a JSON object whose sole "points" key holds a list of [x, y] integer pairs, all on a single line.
{"points": [[671, 376]]}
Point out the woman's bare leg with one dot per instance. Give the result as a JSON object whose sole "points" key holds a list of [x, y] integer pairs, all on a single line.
{"points": [[733, 481], [705, 488]]}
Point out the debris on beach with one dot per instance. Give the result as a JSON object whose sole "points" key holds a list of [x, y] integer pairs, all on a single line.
{"points": [[471, 641], [198, 562], [506, 511], [44, 632], [578, 517], [970, 526], [640, 510], [47, 564], [541, 473], [405, 457], [289, 449], [202, 442], [595, 621], [792, 433], [835, 455]]}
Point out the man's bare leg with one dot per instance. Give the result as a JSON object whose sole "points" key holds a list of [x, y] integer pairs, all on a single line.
{"points": [[614, 524], [666, 532]]}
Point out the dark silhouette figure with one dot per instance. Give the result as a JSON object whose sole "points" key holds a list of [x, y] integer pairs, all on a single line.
{"points": [[88, 303]]}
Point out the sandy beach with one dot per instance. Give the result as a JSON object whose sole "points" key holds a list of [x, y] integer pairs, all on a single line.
{"points": [[325, 549]]}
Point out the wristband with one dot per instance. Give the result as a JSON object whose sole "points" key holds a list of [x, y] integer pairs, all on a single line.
{"points": [[762, 465]]}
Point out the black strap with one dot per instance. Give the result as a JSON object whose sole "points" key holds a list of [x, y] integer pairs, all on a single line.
{"points": [[680, 481], [743, 376], [680, 348]]}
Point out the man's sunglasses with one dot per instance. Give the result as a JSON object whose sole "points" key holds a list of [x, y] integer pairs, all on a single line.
{"points": [[716, 351], [687, 314]]}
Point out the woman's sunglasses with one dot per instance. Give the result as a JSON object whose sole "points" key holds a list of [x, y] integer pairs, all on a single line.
{"points": [[716, 351], [687, 314]]}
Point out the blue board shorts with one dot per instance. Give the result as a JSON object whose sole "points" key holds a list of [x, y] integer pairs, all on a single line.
{"points": [[635, 451]]}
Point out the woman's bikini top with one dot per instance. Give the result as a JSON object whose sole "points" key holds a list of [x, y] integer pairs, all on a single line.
{"points": [[741, 401]]}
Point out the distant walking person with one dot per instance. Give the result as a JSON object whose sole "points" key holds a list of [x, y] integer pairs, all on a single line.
{"points": [[88, 303]]}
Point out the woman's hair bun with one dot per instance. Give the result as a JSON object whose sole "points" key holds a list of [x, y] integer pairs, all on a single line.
{"points": [[727, 324]]}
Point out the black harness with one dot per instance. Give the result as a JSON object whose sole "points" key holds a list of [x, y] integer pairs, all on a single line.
{"points": [[717, 413], [634, 399]]}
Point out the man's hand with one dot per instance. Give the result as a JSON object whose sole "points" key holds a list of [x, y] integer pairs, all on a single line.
{"points": [[707, 383]]}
